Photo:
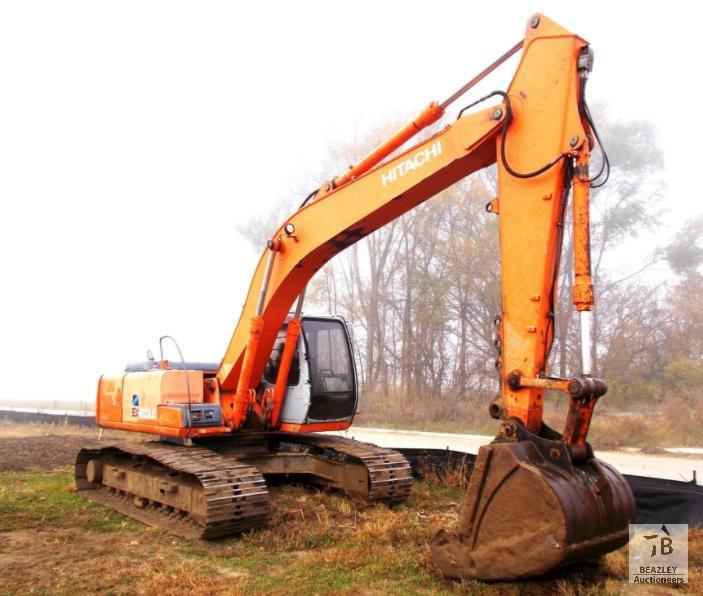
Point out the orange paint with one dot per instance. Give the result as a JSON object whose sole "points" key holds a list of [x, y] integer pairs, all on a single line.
{"points": [[345, 215], [583, 286], [243, 397], [166, 431], [292, 334], [429, 115], [546, 123], [314, 428], [109, 399], [544, 96], [170, 417]]}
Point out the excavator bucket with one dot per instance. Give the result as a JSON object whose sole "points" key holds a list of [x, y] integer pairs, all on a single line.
{"points": [[530, 509]]}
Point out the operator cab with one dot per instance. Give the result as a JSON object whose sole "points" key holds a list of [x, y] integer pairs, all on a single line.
{"points": [[322, 379]]}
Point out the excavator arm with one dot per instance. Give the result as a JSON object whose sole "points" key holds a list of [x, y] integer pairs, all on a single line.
{"points": [[539, 122], [537, 499], [333, 221]]}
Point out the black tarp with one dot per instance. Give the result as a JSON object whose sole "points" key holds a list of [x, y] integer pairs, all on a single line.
{"points": [[667, 501], [658, 500]]}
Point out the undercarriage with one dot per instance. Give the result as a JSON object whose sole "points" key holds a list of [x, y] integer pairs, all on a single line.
{"points": [[217, 487]]}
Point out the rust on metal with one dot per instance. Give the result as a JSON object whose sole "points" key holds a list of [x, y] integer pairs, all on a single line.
{"points": [[371, 472], [205, 493], [189, 491], [568, 512], [583, 392]]}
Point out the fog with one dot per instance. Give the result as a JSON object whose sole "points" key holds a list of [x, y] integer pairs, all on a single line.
{"points": [[136, 136]]}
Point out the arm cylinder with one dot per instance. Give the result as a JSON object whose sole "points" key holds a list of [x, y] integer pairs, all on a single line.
{"points": [[429, 115], [583, 286]]}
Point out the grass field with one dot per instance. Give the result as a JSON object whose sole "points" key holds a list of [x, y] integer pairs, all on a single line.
{"points": [[54, 541]]}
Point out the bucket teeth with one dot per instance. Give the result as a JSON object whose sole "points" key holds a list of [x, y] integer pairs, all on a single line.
{"points": [[530, 509]]}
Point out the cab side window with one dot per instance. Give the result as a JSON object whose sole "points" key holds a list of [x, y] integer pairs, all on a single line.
{"points": [[274, 362]]}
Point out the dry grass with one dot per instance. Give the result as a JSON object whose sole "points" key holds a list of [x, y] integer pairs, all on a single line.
{"points": [[448, 414], [673, 424], [673, 427], [449, 476], [54, 541], [10, 428], [316, 543]]}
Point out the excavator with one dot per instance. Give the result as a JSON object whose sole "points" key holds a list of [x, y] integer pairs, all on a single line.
{"points": [[537, 499]]}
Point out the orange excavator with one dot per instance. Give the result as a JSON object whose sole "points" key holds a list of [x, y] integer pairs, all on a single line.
{"points": [[537, 499]]}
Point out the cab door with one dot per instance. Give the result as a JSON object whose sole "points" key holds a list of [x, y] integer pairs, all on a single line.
{"points": [[296, 401]]}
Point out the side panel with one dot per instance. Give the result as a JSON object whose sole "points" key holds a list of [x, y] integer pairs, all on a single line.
{"points": [[175, 390], [156, 402], [141, 395], [143, 392], [169, 416], [109, 400]]}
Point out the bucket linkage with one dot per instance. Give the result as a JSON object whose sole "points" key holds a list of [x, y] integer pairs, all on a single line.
{"points": [[536, 502]]}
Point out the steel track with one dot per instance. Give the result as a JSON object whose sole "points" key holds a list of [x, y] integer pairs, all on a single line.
{"points": [[235, 494]]}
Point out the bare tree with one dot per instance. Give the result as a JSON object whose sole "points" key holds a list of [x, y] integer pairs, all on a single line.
{"points": [[421, 294]]}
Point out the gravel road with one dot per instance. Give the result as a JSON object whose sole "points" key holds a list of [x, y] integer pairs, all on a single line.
{"points": [[675, 464]]}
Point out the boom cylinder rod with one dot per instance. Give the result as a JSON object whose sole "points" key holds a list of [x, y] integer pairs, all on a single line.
{"points": [[299, 304], [242, 397], [279, 391], [272, 245]]}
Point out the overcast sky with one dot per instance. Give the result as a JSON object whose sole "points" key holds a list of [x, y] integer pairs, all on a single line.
{"points": [[136, 136]]}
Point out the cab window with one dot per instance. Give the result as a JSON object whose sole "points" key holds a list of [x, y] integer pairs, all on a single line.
{"points": [[331, 368], [274, 362]]}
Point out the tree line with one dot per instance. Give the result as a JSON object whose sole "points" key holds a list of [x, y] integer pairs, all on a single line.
{"points": [[422, 293]]}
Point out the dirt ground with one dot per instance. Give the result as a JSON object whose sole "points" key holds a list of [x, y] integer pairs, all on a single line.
{"points": [[54, 541], [40, 453], [40, 446]]}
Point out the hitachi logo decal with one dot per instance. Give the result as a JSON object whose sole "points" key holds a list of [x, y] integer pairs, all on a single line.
{"points": [[419, 159]]}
